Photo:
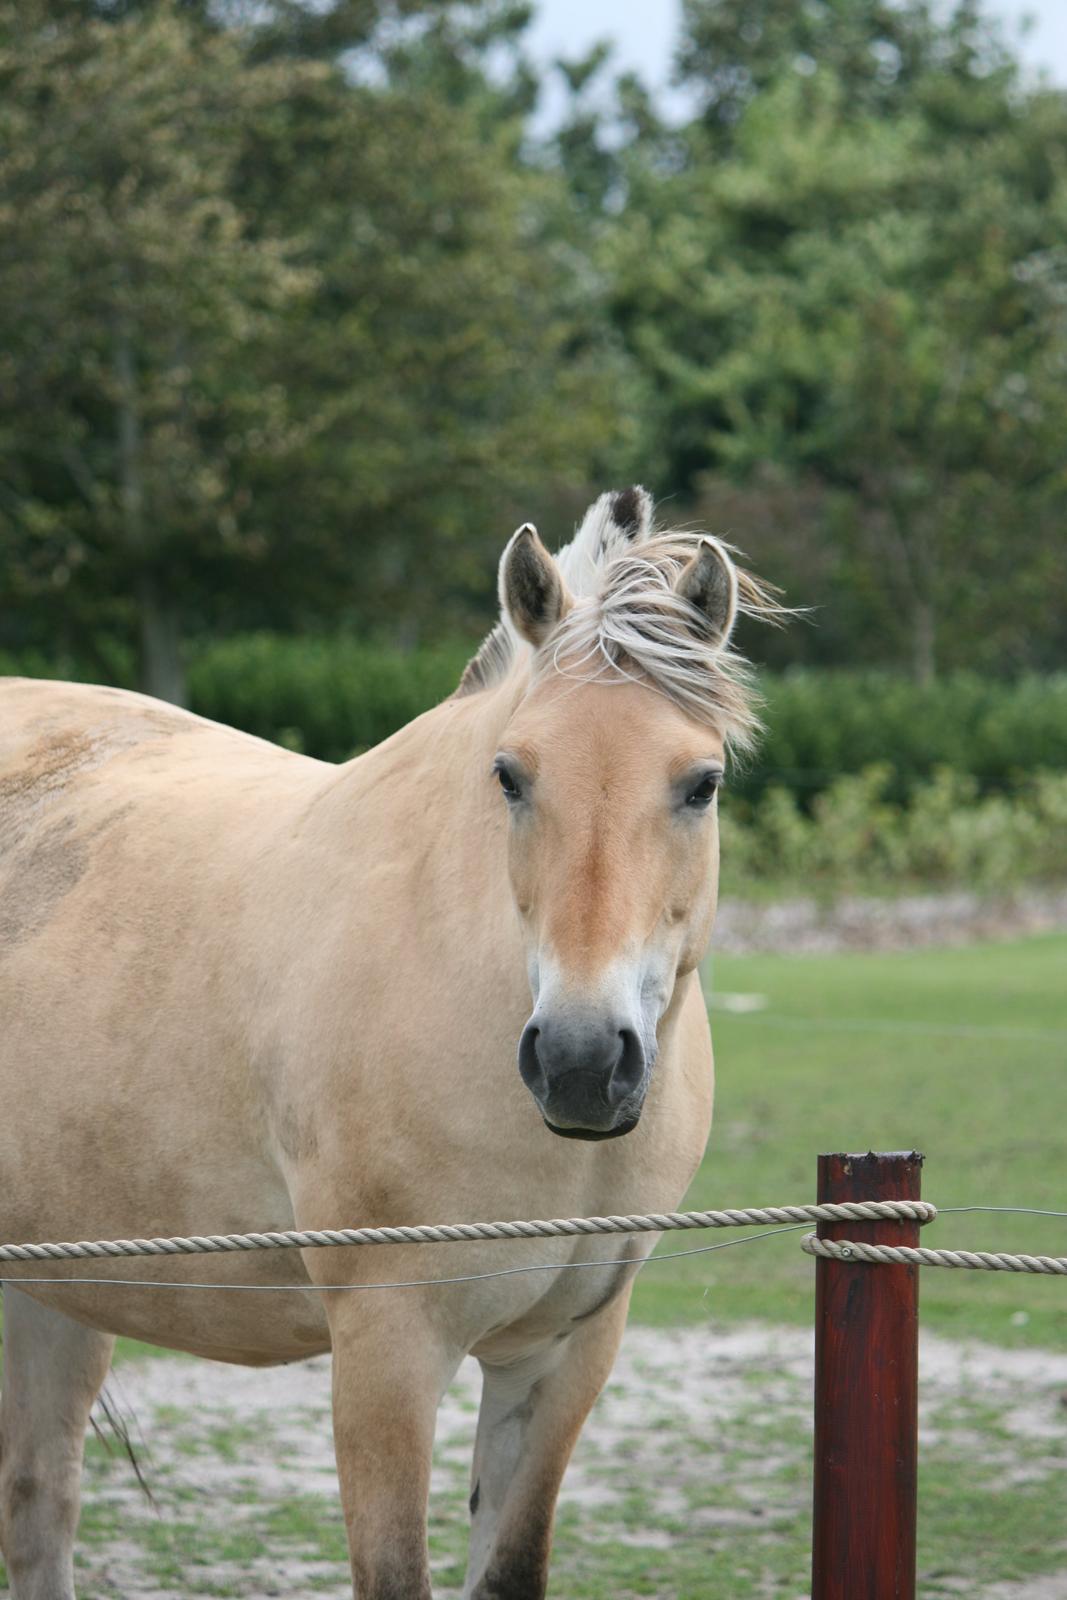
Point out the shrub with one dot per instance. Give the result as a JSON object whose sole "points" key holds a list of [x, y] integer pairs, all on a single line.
{"points": [[328, 697], [855, 835], [823, 724]]}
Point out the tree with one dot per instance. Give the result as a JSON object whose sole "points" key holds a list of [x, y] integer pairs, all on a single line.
{"points": [[135, 300], [281, 345], [884, 54], [860, 293]]}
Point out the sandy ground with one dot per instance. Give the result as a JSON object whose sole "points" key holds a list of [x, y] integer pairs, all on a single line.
{"points": [[227, 1448], [857, 922]]}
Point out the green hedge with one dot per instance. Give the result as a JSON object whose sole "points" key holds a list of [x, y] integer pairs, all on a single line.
{"points": [[325, 696], [823, 724]]}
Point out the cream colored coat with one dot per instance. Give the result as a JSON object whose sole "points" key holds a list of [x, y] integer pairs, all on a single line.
{"points": [[244, 990]]}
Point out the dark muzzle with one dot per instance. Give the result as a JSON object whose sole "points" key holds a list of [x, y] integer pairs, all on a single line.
{"points": [[587, 1076]]}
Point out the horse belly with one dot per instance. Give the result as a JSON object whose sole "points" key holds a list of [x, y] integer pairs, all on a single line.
{"points": [[125, 1118], [76, 1175]]}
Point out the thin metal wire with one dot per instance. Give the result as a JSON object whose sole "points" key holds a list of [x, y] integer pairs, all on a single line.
{"points": [[412, 1283], [893, 1025], [1022, 1211], [543, 1266]]}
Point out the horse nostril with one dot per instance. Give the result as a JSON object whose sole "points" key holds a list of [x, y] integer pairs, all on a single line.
{"points": [[531, 1071], [629, 1070]]}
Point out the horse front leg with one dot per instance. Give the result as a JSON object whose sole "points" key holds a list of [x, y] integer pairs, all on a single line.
{"points": [[389, 1372], [531, 1414]]}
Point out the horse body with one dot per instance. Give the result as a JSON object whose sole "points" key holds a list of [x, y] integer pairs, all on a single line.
{"points": [[246, 990]]}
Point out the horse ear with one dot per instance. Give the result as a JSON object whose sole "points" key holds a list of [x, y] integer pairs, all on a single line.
{"points": [[709, 582], [532, 591]]}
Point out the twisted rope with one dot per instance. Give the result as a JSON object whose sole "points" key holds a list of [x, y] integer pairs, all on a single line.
{"points": [[907, 1255], [455, 1233]]}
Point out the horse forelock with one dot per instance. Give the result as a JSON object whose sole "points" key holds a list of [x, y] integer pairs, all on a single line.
{"points": [[628, 621]]}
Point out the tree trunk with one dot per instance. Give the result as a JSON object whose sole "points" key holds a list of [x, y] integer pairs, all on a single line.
{"points": [[924, 657], [161, 671]]}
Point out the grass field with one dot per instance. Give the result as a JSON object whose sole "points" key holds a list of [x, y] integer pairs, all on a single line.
{"points": [[961, 1054]]}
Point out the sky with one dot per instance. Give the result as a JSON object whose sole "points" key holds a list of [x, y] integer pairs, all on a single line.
{"points": [[643, 32]]}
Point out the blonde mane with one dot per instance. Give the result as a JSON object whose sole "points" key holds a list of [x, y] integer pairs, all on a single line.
{"points": [[629, 622]]}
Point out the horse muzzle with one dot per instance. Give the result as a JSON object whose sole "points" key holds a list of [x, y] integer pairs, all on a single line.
{"points": [[588, 1075]]}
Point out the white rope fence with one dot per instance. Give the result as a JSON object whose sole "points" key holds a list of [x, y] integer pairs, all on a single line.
{"points": [[907, 1255], [462, 1232], [848, 1250]]}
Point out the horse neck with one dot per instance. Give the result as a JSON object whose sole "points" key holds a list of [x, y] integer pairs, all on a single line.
{"points": [[429, 784]]}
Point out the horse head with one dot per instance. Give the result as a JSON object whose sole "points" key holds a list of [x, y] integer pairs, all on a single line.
{"points": [[609, 768]]}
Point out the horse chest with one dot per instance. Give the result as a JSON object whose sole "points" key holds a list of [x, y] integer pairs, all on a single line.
{"points": [[524, 1317]]}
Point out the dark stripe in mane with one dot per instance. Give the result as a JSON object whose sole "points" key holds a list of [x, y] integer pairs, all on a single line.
{"points": [[629, 511], [631, 621]]}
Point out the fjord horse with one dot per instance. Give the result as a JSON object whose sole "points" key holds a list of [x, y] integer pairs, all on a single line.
{"points": [[243, 989]]}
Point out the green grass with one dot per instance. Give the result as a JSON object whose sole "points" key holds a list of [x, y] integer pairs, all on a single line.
{"points": [[958, 1053]]}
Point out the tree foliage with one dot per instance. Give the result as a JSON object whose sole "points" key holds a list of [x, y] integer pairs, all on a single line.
{"points": [[859, 295], [296, 319], [283, 345]]}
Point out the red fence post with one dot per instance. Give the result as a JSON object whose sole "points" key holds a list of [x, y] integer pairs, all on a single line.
{"points": [[866, 1392]]}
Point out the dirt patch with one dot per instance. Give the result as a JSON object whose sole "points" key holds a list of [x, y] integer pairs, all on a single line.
{"points": [[702, 1434]]}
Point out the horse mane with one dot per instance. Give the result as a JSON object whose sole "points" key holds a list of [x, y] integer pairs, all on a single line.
{"points": [[629, 623]]}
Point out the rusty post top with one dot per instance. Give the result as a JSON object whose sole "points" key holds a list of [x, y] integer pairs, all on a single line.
{"points": [[874, 1157], [878, 1175]]}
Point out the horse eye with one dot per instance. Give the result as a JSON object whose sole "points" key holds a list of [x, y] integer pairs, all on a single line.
{"points": [[507, 783], [701, 796]]}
